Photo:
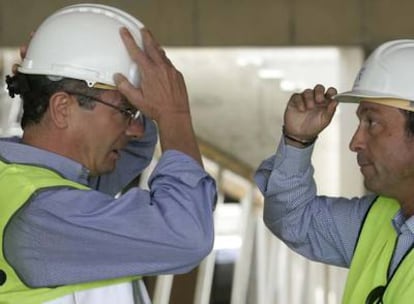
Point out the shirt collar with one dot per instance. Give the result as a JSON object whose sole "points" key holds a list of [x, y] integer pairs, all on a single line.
{"points": [[401, 224], [14, 151]]}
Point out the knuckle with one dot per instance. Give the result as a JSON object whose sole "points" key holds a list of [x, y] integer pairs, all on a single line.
{"points": [[295, 97], [307, 93], [319, 87]]}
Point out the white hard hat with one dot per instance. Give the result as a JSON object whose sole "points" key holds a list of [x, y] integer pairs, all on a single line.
{"points": [[387, 76], [83, 42]]}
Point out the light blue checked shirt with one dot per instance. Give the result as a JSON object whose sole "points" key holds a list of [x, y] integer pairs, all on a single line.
{"points": [[321, 228], [65, 236]]}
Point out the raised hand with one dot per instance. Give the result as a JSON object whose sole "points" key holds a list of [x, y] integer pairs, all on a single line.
{"points": [[162, 89], [23, 51], [162, 94], [309, 112]]}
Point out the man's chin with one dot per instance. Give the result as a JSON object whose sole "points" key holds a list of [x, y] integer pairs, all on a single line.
{"points": [[107, 168], [371, 186]]}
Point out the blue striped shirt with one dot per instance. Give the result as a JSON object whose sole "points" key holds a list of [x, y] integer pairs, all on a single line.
{"points": [[65, 236], [321, 228]]}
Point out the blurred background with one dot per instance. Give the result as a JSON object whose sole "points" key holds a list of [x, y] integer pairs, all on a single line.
{"points": [[242, 59]]}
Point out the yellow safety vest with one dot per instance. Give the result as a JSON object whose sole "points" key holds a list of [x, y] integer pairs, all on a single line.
{"points": [[18, 183], [373, 256]]}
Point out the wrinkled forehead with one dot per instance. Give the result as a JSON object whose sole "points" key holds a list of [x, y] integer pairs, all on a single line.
{"points": [[390, 102], [374, 109], [368, 106], [116, 98]]}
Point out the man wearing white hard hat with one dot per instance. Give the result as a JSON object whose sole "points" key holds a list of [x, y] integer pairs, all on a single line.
{"points": [[372, 235], [96, 89]]}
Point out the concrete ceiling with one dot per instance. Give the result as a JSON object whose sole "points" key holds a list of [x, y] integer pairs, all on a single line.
{"points": [[238, 95]]}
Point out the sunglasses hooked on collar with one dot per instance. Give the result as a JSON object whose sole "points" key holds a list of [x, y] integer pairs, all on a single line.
{"points": [[375, 296]]}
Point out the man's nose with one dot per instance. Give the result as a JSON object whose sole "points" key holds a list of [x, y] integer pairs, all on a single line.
{"points": [[357, 142]]}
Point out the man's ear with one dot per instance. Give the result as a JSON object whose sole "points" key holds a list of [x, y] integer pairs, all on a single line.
{"points": [[59, 109]]}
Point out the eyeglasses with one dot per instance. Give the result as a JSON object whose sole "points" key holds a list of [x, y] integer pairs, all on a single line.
{"points": [[130, 114], [375, 296]]}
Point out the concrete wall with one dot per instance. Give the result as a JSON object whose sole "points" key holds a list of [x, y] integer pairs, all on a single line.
{"points": [[239, 22]]}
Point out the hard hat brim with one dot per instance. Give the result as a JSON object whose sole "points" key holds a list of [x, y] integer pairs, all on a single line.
{"points": [[356, 96], [375, 97]]}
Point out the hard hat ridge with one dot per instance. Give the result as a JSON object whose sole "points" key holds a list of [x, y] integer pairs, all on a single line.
{"points": [[388, 73]]}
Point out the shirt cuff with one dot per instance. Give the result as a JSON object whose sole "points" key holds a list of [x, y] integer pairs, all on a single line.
{"points": [[290, 160]]}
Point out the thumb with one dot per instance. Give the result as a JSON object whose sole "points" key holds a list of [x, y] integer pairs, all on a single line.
{"points": [[330, 112], [133, 94]]}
